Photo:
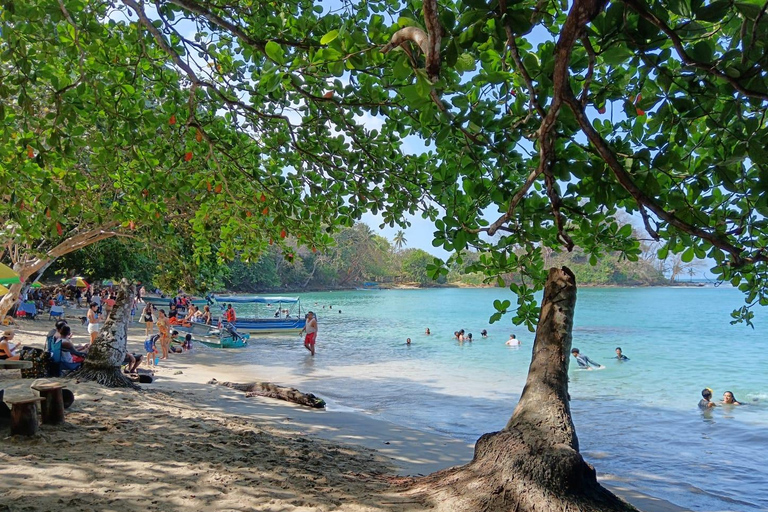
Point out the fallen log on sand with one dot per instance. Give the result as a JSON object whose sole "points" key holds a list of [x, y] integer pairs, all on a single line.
{"points": [[274, 391]]}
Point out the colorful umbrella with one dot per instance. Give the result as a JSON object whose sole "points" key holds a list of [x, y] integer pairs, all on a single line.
{"points": [[107, 282], [3, 290], [36, 285], [77, 281], [8, 275]]}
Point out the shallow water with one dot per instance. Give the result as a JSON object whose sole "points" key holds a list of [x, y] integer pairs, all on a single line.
{"points": [[636, 420]]}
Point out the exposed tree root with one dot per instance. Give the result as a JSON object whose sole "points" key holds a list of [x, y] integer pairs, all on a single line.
{"points": [[534, 463], [108, 377], [508, 474]]}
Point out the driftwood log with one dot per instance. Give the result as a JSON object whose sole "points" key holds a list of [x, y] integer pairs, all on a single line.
{"points": [[271, 390]]}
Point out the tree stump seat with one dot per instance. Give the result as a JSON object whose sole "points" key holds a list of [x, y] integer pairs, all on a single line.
{"points": [[53, 407], [24, 415]]}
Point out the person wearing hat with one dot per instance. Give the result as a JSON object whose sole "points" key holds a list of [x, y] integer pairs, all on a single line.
{"points": [[8, 350]]}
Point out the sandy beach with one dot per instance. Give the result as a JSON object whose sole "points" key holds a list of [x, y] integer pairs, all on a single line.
{"points": [[181, 443]]}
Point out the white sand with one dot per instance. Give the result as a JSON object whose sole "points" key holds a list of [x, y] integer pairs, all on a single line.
{"points": [[185, 444]]}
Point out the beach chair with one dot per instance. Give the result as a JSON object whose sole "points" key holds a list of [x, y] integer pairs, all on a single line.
{"points": [[56, 311], [27, 310]]}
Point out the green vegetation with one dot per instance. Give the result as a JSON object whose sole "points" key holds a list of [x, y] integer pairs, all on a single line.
{"points": [[356, 256]]}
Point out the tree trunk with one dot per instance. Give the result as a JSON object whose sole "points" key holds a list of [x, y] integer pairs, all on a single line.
{"points": [[24, 271], [108, 351], [533, 464]]}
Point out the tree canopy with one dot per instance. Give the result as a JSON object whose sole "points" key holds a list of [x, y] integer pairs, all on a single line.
{"points": [[233, 124]]}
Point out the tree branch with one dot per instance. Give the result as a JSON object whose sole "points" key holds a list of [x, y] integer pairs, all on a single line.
{"points": [[405, 34], [687, 59], [434, 30], [642, 199]]}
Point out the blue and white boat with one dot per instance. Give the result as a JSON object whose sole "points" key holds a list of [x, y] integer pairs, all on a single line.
{"points": [[274, 315]]}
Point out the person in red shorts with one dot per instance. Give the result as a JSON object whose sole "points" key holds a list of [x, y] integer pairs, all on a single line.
{"points": [[311, 329]]}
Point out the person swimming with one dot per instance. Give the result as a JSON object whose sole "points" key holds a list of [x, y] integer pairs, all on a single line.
{"points": [[729, 399], [584, 362], [706, 400], [484, 333]]}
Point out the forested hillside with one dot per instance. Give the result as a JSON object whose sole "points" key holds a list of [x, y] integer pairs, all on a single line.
{"points": [[358, 256]]}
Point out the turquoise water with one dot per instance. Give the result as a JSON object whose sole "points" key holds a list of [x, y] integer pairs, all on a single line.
{"points": [[637, 420]]}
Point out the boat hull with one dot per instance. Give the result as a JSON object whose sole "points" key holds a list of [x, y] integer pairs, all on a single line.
{"points": [[270, 326], [225, 342]]}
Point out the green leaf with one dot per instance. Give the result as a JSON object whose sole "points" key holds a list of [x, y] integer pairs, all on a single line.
{"points": [[616, 55], [465, 63], [330, 36], [275, 52]]}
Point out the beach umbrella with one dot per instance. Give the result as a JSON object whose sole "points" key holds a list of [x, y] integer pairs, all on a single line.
{"points": [[36, 285], [107, 282], [3, 290], [8, 275], [77, 281]]}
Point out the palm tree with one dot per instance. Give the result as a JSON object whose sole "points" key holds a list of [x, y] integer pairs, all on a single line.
{"points": [[399, 240]]}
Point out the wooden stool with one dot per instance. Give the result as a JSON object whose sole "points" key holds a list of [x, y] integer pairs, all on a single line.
{"points": [[24, 415], [53, 408]]}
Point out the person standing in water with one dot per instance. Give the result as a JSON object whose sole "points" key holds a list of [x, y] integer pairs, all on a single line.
{"points": [[620, 356], [311, 329]]}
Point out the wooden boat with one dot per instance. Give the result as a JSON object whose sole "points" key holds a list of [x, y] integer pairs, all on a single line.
{"points": [[213, 336], [270, 321]]}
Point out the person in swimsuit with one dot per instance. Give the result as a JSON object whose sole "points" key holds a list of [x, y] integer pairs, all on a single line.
{"points": [[8, 350], [93, 321], [311, 329], [146, 315], [620, 356], [729, 399], [706, 400], [164, 328], [207, 315]]}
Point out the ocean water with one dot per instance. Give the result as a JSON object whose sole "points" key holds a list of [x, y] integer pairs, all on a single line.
{"points": [[636, 420]]}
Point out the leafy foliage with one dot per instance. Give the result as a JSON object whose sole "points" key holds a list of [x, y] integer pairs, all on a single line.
{"points": [[217, 128]]}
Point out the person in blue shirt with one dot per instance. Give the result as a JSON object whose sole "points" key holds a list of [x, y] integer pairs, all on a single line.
{"points": [[584, 362], [620, 356]]}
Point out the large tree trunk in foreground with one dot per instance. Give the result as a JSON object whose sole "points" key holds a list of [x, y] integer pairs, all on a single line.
{"points": [[108, 351], [271, 390], [534, 463]]}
